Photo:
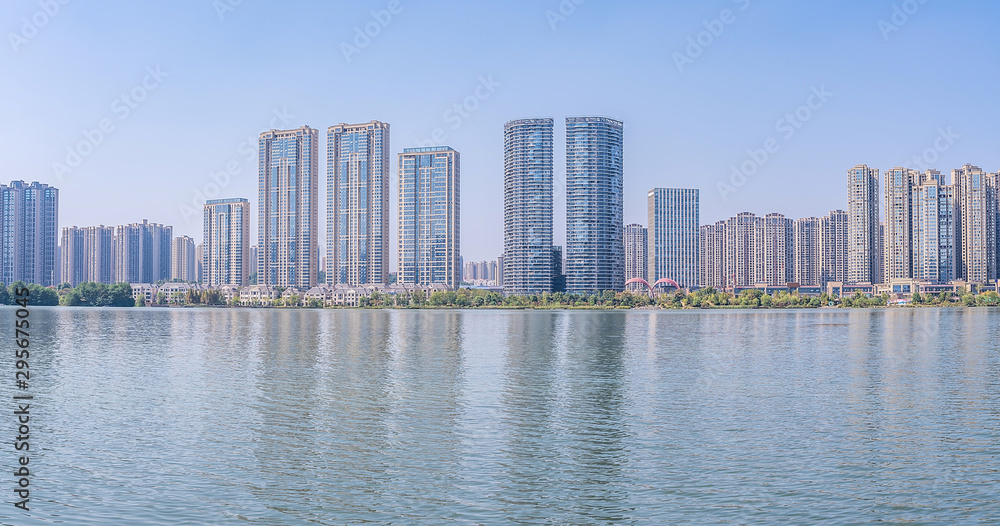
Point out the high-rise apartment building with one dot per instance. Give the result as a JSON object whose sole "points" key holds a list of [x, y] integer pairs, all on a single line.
{"points": [[99, 254], [833, 247], [898, 247], [863, 226], [527, 255], [919, 229], [934, 254], [182, 265], [199, 262], [429, 217], [739, 260], [226, 258], [774, 248], [73, 265], [595, 252], [808, 233], [976, 197], [142, 252], [674, 236], [636, 261], [357, 203], [747, 250], [712, 244], [28, 233], [288, 221]]}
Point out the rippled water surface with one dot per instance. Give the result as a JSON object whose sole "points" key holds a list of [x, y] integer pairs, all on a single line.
{"points": [[229, 416]]}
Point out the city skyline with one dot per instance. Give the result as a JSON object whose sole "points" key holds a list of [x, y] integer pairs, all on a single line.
{"points": [[687, 125], [928, 238]]}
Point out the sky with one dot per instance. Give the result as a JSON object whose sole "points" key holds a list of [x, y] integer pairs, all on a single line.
{"points": [[142, 110]]}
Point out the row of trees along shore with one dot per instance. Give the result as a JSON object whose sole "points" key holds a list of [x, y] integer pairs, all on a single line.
{"points": [[120, 295]]}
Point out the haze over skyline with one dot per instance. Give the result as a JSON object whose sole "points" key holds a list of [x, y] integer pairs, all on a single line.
{"points": [[881, 86]]}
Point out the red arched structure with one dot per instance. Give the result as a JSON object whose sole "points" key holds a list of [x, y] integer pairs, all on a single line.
{"points": [[639, 280], [665, 281]]}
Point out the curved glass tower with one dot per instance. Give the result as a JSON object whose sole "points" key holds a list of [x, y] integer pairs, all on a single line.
{"points": [[595, 251], [527, 207]]}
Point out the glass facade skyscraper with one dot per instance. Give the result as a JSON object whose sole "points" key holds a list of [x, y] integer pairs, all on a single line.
{"points": [[288, 222], [29, 217], [527, 211], [674, 236], [429, 214], [595, 245], [226, 256], [357, 203]]}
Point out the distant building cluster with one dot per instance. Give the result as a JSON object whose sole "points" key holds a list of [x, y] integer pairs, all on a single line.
{"points": [[138, 252], [483, 273]]}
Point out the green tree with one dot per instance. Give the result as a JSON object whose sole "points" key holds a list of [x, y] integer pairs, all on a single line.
{"points": [[5, 298], [120, 295], [72, 299], [43, 296]]}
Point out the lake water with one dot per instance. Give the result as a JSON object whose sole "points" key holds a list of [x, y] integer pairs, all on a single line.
{"points": [[235, 416]]}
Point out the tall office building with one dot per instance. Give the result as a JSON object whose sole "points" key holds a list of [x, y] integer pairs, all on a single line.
{"points": [[976, 197], [636, 243], [808, 233], [182, 260], [527, 233], [712, 245], [142, 252], [595, 251], [833, 249], [226, 256], [357, 203], [863, 226], [28, 233], [288, 220], [429, 216], [674, 236]]}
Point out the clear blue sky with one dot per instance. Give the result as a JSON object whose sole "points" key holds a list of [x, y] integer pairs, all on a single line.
{"points": [[263, 63]]}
